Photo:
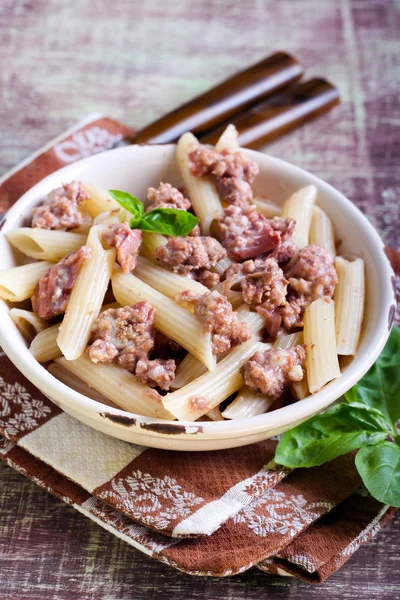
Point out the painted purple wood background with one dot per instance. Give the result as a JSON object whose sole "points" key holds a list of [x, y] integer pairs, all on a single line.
{"points": [[135, 60]]}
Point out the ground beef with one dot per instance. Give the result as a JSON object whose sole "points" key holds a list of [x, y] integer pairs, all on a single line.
{"points": [[185, 254], [270, 372], [123, 335], [60, 209], [156, 372], [166, 196], [246, 233], [206, 161], [264, 288], [284, 226], [127, 241], [233, 190], [284, 252], [313, 276], [207, 278], [52, 292], [196, 231], [219, 319]]}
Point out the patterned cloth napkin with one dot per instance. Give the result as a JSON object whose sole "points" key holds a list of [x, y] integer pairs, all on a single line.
{"points": [[205, 513]]}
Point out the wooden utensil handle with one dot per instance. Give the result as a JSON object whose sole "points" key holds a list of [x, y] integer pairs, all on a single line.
{"points": [[225, 100], [276, 116]]}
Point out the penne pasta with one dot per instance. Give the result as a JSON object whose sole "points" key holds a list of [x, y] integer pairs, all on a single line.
{"points": [[319, 337], [45, 244], [168, 283], [268, 209], [27, 323], [44, 345], [349, 303], [247, 404], [288, 340], [191, 368], [215, 414], [300, 389], [202, 193], [99, 200], [118, 385], [18, 284], [299, 207], [235, 298], [321, 230], [228, 140], [152, 241], [171, 319], [222, 265], [209, 390], [86, 298], [72, 381]]}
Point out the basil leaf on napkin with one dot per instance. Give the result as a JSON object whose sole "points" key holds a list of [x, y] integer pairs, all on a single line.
{"points": [[379, 467], [365, 419], [339, 430], [380, 388], [168, 221]]}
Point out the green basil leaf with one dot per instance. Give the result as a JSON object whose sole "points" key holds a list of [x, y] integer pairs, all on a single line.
{"points": [[169, 221], [130, 203], [380, 386], [339, 430], [379, 468]]}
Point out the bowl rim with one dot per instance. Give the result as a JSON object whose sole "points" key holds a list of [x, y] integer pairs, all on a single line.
{"points": [[279, 418]]}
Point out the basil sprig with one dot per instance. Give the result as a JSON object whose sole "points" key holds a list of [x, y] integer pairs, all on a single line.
{"points": [[168, 221], [366, 419]]}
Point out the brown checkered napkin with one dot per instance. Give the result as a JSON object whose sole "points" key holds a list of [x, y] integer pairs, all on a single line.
{"points": [[210, 513]]}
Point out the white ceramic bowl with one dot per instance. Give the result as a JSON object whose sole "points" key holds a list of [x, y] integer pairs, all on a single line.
{"points": [[134, 169]]}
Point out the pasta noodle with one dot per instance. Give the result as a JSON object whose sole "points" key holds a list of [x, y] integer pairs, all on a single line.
{"points": [[268, 209], [45, 244], [168, 283], [86, 298], [171, 319], [228, 140], [299, 207], [44, 345], [27, 323], [99, 200], [207, 391], [349, 303], [118, 385], [247, 404], [152, 241], [321, 230], [202, 193], [319, 337], [72, 381], [18, 283], [191, 368], [222, 265]]}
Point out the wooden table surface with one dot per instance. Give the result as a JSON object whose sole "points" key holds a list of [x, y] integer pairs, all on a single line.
{"points": [[136, 60]]}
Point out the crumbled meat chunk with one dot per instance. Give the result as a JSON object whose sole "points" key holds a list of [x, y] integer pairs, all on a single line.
{"points": [[127, 241], [284, 252], [233, 190], [264, 287], [60, 209], [284, 226], [196, 231], [219, 319], [123, 335], [206, 161], [166, 196], [270, 372], [246, 233], [313, 276], [52, 292], [185, 254], [207, 278], [156, 372]]}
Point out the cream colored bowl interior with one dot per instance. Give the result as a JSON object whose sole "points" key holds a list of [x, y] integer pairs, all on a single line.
{"points": [[134, 169]]}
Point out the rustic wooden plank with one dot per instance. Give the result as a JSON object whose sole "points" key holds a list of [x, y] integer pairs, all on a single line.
{"points": [[134, 61]]}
